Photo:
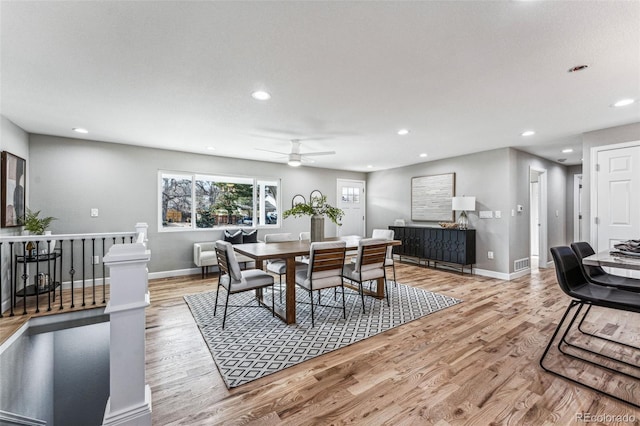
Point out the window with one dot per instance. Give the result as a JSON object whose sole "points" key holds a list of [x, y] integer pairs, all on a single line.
{"points": [[218, 201]]}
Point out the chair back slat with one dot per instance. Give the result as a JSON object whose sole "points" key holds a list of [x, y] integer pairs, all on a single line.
{"points": [[373, 254], [328, 259], [223, 261]]}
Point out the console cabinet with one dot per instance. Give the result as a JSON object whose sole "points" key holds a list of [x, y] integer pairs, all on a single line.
{"points": [[437, 245]]}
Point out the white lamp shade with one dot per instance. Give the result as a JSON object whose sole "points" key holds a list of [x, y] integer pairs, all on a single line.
{"points": [[463, 204]]}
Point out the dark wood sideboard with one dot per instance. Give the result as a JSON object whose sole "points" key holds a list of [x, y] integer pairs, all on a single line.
{"points": [[450, 247]]}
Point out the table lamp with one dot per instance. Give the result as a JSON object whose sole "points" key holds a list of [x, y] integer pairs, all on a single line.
{"points": [[463, 204]]}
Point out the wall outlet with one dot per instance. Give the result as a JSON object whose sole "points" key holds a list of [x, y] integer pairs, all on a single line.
{"points": [[498, 214], [94, 212], [490, 255]]}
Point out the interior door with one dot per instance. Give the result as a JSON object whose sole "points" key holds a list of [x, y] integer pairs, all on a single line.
{"points": [[618, 197], [351, 199]]}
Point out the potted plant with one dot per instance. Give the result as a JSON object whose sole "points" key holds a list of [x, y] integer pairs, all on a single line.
{"points": [[34, 224], [317, 208]]}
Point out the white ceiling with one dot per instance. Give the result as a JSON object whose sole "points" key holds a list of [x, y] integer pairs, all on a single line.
{"points": [[344, 76]]}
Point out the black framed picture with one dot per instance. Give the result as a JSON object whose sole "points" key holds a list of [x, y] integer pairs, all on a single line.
{"points": [[14, 178]]}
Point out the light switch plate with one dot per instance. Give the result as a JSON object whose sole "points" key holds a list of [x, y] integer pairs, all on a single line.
{"points": [[486, 214], [498, 214], [94, 212]]}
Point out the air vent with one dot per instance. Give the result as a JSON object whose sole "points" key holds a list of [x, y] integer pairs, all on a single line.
{"points": [[520, 264]]}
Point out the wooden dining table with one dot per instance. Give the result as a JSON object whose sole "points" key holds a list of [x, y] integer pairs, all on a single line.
{"points": [[288, 251]]}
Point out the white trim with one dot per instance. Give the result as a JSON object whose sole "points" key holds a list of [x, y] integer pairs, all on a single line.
{"points": [[543, 242], [175, 273], [501, 275], [137, 415], [7, 418]]}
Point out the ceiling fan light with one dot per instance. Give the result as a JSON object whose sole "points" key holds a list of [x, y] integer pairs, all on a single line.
{"points": [[294, 163]]}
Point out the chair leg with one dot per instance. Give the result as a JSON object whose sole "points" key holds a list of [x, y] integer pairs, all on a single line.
{"points": [[555, 334], [273, 301], [362, 296], [344, 307], [393, 266], [311, 297], [226, 303], [215, 308], [319, 301], [280, 275], [203, 271], [386, 290]]}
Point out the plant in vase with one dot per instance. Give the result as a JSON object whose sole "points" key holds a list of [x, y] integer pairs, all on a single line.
{"points": [[317, 208], [35, 225]]}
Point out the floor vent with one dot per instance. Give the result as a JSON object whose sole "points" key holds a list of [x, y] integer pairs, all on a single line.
{"points": [[520, 264]]}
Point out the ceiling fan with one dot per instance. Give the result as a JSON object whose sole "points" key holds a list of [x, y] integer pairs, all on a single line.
{"points": [[295, 158]]}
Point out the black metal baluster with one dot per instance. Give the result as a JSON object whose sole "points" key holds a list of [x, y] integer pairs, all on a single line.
{"points": [[61, 269], [83, 270], [24, 278], [48, 282], [12, 277], [104, 277], [36, 278], [72, 272], [93, 268], [123, 237], [131, 239]]}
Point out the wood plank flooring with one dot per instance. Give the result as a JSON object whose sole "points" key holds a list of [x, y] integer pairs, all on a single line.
{"points": [[475, 363]]}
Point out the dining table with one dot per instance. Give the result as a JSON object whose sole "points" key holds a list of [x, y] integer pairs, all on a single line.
{"points": [[612, 259], [289, 250]]}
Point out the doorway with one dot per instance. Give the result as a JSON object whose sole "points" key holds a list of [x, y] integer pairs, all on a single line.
{"points": [[537, 218], [351, 199], [577, 208]]}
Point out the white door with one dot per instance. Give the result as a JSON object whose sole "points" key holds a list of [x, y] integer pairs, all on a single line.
{"points": [[539, 176], [351, 199], [617, 215]]}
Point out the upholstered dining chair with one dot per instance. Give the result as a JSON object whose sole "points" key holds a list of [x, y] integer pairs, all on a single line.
{"points": [[326, 260], [235, 280], [387, 234], [583, 292], [369, 265], [597, 275], [279, 266]]}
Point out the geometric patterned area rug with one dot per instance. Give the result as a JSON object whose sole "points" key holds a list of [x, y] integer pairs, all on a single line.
{"points": [[254, 344]]}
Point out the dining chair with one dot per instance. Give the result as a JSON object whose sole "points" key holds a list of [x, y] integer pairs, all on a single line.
{"points": [[305, 236], [583, 292], [326, 260], [387, 234], [279, 266], [597, 275], [369, 265], [235, 280]]}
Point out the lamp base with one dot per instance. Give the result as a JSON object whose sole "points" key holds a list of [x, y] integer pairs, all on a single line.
{"points": [[463, 221]]}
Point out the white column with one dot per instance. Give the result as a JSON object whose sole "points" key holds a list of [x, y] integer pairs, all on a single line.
{"points": [[130, 398]]}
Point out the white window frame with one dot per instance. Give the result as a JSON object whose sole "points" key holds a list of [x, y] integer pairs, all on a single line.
{"points": [[258, 206]]}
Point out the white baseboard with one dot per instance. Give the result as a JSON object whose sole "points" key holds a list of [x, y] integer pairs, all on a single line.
{"points": [[174, 273], [7, 418], [491, 274]]}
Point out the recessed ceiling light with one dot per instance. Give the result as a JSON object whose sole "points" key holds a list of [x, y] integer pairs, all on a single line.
{"points": [[261, 95], [403, 132], [566, 151], [528, 133], [369, 166], [424, 154], [80, 130], [624, 102], [578, 68], [210, 148]]}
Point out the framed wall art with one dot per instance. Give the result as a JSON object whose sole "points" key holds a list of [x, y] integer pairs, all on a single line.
{"points": [[14, 170], [431, 197]]}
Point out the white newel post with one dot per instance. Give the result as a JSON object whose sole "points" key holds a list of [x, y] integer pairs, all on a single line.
{"points": [[130, 398]]}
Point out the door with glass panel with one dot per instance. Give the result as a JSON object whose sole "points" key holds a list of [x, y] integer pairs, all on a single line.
{"points": [[351, 199]]}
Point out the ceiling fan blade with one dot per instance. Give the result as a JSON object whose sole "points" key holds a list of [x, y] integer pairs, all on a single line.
{"points": [[274, 152], [318, 153]]}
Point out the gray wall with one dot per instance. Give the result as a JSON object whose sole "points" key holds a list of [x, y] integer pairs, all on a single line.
{"points": [[484, 175], [16, 141], [612, 135], [26, 377], [68, 177], [519, 230]]}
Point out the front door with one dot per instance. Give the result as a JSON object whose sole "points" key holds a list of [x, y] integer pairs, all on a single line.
{"points": [[351, 199]]}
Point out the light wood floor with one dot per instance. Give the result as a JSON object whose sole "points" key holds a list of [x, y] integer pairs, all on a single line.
{"points": [[475, 363]]}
